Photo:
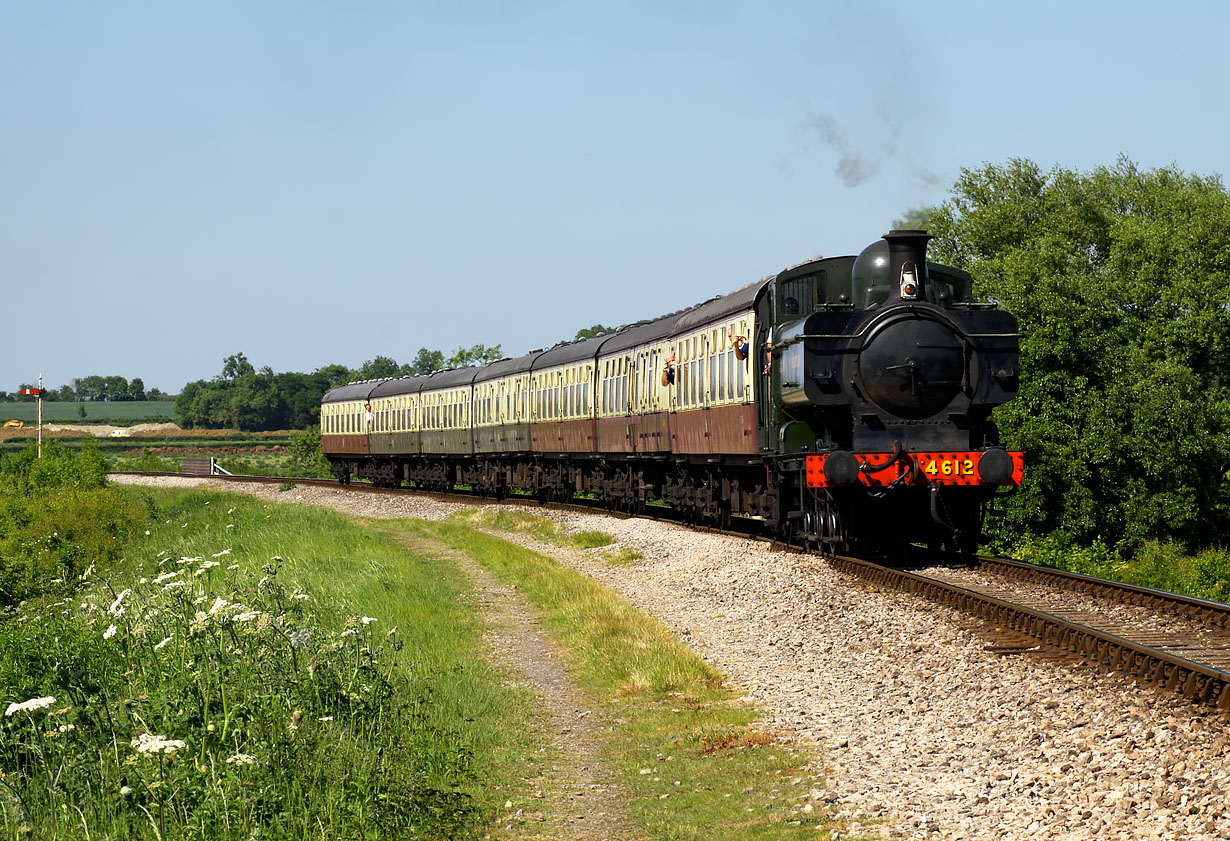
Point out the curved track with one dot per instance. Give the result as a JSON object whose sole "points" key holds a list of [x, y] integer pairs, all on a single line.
{"points": [[1165, 639], [1161, 638]]}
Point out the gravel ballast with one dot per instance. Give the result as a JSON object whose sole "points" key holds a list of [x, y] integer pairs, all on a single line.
{"points": [[924, 733]]}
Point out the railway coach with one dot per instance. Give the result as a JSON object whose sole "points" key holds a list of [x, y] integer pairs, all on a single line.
{"points": [[842, 398]]}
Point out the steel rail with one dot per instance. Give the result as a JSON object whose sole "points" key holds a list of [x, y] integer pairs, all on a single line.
{"points": [[1194, 680], [1189, 607]]}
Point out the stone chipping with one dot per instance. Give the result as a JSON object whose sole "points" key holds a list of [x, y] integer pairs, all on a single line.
{"points": [[923, 732]]}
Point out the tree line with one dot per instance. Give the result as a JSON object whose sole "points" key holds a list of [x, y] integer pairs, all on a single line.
{"points": [[245, 398], [93, 388]]}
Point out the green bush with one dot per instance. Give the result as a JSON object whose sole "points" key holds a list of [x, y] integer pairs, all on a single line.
{"points": [[1162, 565], [1211, 573], [307, 459], [148, 461], [57, 518]]}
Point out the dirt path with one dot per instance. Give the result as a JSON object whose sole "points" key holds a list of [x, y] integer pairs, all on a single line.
{"points": [[575, 792]]}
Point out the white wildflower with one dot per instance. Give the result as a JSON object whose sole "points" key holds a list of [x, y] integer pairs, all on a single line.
{"points": [[67, 728], [187, 560], [57, 581], [164, 642], [147, 743], [248, 616], [367, 620], [230, 511], [175, 584], [233, 566], [219, 605], [88, 572], [241, 759], [109, 633], [349, 632], [230, 525], [118, 604], [325, 718], [166, 576], [301, 596], [125, 791], [219, 555], [30, 706]]}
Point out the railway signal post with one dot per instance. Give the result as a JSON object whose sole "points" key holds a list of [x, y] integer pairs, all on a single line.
{"points": [[38, 392]]}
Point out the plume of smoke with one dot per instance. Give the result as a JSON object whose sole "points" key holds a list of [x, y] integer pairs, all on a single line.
{"points": [[856, 165], [853, 167]]}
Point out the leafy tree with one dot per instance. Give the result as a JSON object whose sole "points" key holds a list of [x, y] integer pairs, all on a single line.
{"points": [[235, 366], [596, 330], [382, 367], [427, 362], [476, 355], [332, 376], [115, 388], [915, 219], [136, 389], [256, 403], [1118, 277]]}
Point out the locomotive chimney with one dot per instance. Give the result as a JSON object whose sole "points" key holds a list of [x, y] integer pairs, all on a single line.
{"points": [[907, 261]]}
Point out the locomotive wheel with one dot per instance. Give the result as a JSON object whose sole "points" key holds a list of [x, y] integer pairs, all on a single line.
{"points": [[833, 537]]}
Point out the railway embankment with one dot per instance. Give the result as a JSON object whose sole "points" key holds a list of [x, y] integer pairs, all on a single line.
{"points": [[927, 732]]}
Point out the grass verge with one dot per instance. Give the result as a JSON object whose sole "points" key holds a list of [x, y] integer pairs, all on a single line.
{"points": [[692, 757], [518, 521], [254, 670]]}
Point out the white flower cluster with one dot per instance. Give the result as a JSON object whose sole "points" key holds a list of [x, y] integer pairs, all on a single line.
{"points": [[147, 743], [117, 606], [30, 706], [241, 759]]}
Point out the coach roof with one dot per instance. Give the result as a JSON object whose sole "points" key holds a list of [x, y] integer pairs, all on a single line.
{"points": [[361, 390]]}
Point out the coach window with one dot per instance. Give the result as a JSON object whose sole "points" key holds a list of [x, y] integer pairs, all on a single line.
{"points": [[712, 384]]}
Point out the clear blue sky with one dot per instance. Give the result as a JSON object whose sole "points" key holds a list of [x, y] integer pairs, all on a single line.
{"points": [[320, 182]]}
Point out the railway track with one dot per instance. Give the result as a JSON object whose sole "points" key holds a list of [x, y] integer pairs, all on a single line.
{"points": [[1163, 639]]}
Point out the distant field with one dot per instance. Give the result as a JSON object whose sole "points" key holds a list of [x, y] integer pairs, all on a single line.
{"points": [[56, 412]]}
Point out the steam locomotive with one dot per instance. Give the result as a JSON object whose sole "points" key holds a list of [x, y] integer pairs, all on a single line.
{"points": [[842, 399]]}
